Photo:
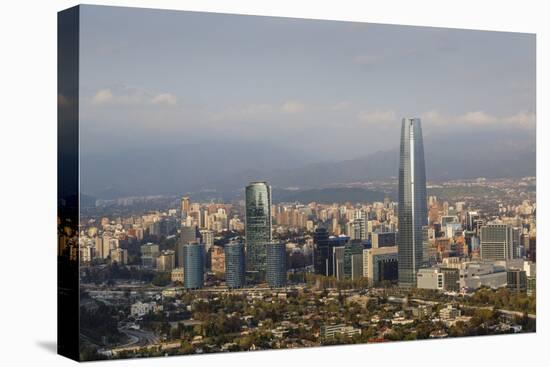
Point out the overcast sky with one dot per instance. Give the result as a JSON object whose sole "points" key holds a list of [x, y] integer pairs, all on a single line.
{"points": [[325, 90]]}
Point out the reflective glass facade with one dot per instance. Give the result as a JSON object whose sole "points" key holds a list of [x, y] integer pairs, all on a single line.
{"points": [[413, 212], [234, 265], [276, 265], [322, 257], [193, 268], [258, 224]]}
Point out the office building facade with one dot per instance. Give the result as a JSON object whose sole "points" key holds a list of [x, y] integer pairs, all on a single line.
{"points": [[496, 242], [412, 206], [353, 260], [322, 257], [380, 264], [193, 254], [258, 224], [149, 254], [276, 264], [234, 265]]}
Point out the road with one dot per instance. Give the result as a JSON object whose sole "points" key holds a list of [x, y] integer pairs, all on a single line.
{"points": [[139, 337]]}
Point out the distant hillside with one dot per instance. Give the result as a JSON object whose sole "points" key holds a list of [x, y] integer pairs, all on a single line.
{"points": [[328, 195], [228, 168], [454, 192], [459, 156]]}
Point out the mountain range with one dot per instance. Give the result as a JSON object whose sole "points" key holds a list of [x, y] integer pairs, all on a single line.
{"points": [[228, 167]]}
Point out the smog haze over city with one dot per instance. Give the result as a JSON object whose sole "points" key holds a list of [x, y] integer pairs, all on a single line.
{"points": [[292, 100]]}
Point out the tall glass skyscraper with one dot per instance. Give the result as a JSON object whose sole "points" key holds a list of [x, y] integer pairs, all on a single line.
{"points": [[276, 264], [193, 267], [322, 259], [413, 210], [258, 224], [353, 260], [234, 265]]}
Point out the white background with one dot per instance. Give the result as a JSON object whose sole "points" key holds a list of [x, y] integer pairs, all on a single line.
{"points": [[28, 182]]}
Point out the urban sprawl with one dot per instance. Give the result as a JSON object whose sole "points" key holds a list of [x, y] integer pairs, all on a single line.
{"points": [[199, 277]]}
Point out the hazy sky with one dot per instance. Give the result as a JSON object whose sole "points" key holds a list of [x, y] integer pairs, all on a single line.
{"points": [[324, 90]]}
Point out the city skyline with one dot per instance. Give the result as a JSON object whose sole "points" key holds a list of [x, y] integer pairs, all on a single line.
{"points": [[240, 183]]}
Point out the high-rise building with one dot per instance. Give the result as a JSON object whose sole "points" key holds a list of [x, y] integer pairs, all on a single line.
{"points": [[518, 251], [471, 218], [106, 246], [234, 265], [516, 280], [380, 264], [188, 234], [185, 204], [322, 254], [177, 275], [338, 253], [353, 260], [446, 219], [359, 228], [193, 254], [258, 224], [207, 238], [166, 260], [149, 254], [496, 242], [276, 264], [99, 248], [119, 255], [383, 239], [217, 259], [412, 206]]}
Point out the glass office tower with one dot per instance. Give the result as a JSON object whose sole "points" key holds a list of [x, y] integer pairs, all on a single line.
{"points": [[412, 211], [234, 265], [353, 260], [322, 259], [193, 267], [258, 224], [276, 264]]}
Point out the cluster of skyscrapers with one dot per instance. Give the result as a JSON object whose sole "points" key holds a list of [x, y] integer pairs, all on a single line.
{"points": [[412, 221], [260, 256], [386, 256], [265, 258]]}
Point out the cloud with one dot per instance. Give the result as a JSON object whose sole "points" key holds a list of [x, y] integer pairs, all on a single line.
{"points": [[103, 96], [377, 117], [434, 117], [119, 96], [293, 107], [340, 106], [123, 96], [477, 118], [164, 98], [523, 118]]}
